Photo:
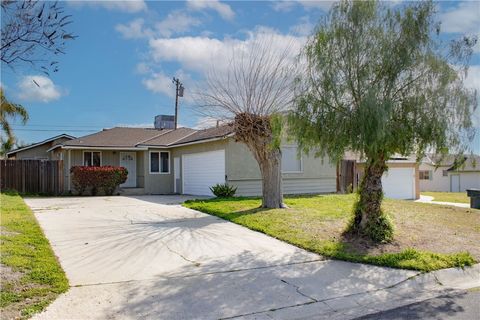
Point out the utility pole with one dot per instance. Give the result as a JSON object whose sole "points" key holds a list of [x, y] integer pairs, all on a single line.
{"points": [[178, 93]]}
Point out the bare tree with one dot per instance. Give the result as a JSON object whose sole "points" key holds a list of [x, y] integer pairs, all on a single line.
{"points": [[31, 31], [251, 92]]}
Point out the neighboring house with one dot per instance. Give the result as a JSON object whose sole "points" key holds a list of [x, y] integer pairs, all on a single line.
{"points": [[188, 161], [401, 181], [40, 150], [449, 173]]}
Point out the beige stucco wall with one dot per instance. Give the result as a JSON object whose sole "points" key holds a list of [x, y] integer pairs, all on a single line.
{"points": [[40, 152], [317, 176], [241, 170], [157, 183], [468, 180], [438, 182]]}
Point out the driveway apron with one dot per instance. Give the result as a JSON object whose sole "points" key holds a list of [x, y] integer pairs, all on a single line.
{"points": [[148, 257]]}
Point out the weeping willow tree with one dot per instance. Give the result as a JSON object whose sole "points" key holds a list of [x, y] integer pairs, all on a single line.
{"points": [[379, 82]]}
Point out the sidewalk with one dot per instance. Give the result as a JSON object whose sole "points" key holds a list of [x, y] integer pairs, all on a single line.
{"points": [[429, 199], [415, 289]]}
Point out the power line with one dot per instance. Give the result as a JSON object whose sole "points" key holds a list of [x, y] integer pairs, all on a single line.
{"points": [[59, 130], [58, 126]]}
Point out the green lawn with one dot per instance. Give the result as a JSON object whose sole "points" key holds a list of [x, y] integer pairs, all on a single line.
{"points": [[31, 274], [427, 237], [459, 197]]}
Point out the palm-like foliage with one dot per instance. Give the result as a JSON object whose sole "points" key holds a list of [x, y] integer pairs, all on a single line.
{"points": [[9, 111]]}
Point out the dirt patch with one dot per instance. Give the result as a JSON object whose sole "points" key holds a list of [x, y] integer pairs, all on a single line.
{"points": [[425, 227]]}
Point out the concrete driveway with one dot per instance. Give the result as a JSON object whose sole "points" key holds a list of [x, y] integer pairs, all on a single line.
{"points": [[148, 257]]}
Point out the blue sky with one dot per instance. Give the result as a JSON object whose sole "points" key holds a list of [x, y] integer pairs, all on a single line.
{"points": [[118, 70]]}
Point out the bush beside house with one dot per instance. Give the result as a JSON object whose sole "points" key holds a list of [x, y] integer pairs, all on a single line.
{"points": [[95, 179], [223, 190]]}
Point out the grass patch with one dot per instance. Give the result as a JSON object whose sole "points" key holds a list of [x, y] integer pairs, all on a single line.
{"points": [[31, 275], [316, 223], [458, 197]]}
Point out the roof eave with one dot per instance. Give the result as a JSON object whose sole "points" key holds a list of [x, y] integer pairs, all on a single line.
{"points": [[63, 135]]}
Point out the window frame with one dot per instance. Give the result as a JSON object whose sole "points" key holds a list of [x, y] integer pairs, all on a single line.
{"points": [[422, 172], [159, 162], [444, 173], [300, 159], [91, 157]]}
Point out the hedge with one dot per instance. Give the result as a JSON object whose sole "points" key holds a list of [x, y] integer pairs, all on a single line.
{"points": [[94, 179]]}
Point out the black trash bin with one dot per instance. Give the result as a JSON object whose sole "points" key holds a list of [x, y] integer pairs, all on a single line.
{"points": [[474, 195]]}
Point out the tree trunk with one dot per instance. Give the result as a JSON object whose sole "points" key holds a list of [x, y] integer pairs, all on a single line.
{"points": [[369, 219], [272, 195], [256, 132]]}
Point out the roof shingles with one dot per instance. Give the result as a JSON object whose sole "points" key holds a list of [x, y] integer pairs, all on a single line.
{"points": [[122, 137]]}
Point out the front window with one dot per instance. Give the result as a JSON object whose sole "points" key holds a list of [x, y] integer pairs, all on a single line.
{"points": [[290, 160], [159, 162], [425, 175], [445, 173], [92, 158]]}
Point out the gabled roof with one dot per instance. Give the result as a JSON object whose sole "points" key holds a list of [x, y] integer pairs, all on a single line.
{"points": [[33, 145], [468, 163], [207, 134], [433, 159], [120, 137], [142, 138]]}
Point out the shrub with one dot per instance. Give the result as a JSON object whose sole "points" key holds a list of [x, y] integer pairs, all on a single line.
{"points": [[106, 178], [223, 190]]}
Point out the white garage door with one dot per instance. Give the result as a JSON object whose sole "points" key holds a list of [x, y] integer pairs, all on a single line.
{"points": [[203, 170], [399, 183]]}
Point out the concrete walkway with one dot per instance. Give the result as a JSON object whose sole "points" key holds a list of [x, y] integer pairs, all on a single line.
{"points": [[148, 257], [429, 199]]}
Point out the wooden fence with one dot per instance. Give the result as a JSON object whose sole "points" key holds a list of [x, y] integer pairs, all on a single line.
{"points": [[346, 176], [32, 176]]}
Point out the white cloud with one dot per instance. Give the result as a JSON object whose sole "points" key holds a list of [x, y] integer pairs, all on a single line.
{"points": [[200, 53], [130, 6], [287, 5], [176, 22], [304, 27], [224, 10], [473, 78], [160, 83], [134, 30], [473, 81], [283, 6], [38, 88], [465, 18], [143, 68]]}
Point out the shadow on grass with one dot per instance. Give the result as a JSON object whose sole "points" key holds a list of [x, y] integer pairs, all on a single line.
{"points": [[333, 244]]}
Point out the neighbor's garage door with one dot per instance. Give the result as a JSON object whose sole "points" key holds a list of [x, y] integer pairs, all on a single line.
{"points": [[399, 183], [203, 170]]}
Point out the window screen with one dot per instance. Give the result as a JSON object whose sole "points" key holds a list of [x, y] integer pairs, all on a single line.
{"points": [[154, 162], [165, 164]]}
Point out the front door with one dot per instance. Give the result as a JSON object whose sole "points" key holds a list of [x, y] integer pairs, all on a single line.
{"points": [[129, 161], [455, 183]]}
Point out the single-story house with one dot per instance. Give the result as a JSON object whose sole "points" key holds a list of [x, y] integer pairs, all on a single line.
{"points": [[188, 161], [449, 173], [40, 150]]}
